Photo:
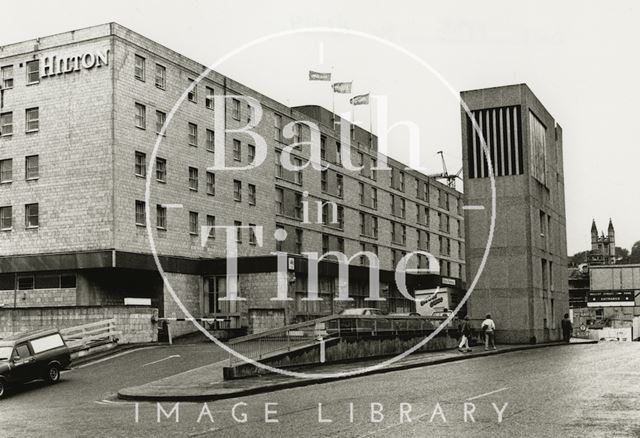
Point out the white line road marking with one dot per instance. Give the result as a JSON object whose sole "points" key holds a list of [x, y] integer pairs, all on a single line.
{"points": [[486, 394], [473, 207], [160, 360], [113, 357], [172, 205]]}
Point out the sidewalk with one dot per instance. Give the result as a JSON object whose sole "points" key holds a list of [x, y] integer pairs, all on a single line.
{"points": [[206, 383]]}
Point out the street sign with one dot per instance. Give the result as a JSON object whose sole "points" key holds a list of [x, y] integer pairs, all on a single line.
{"points": [[611, 298]]}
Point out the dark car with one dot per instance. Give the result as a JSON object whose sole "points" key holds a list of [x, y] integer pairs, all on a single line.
{"points": [[33, 355]]}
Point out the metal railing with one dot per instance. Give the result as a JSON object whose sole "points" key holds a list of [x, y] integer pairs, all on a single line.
{"points": [[291, 337], [83, 336]]}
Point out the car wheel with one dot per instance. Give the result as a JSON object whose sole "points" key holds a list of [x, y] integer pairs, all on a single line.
{"points": [[3, 389], [53, 374]]}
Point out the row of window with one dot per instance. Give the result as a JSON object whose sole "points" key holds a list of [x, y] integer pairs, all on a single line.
{"points": [[32, 73], [140, 170], [31, 169], [194, 222], [31, 217], [31, 123], [160, 81]]}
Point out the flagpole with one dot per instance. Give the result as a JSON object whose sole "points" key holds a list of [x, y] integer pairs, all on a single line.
{"points": [[370, 124], [333, 101]]}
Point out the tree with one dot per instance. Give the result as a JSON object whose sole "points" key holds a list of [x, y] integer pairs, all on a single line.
{"points": [[634, 257]]}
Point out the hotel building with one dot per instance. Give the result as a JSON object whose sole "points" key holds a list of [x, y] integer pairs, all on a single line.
{"points": [[80, 113]]}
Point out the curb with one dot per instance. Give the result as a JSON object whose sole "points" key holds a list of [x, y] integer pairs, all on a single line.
{"points": [[123, 395]]}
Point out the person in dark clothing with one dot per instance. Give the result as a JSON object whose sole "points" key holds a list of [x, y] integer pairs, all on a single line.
{"points": [[567, 328], [466, 333]]}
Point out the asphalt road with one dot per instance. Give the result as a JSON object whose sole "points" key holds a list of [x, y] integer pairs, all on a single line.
{"points": [[587, 390]]}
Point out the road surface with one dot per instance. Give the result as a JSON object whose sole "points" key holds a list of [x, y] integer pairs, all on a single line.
{"points": [[586, 390]]}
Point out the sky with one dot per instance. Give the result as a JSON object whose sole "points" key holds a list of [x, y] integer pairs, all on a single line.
{"points": [[579, 57]]}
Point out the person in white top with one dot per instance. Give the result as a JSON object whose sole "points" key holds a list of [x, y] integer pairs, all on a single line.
{"points": [[489, 328]]}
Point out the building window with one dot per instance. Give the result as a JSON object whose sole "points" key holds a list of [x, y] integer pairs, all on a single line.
{"points": [[193, 179], [278, 165], [6, 123], [161, 217], [193, 223], [298, 241], [211, 140], [139, 68], [277, 126], [161, 169], [323, 147], [279, 201], [338, 154], [31, 215], [238, 224], [141, 164], [298, 206], [339, 185], [161, 119], [141, 219], [7, 77], [341, 244], [237, 150], [6, 218], [402, 208], [325, 244], [252, 234], [251, 153], [193, 93], [32, 117], [297, 175], [33, 72], [31, 169], [251, 114], [324, 180], [26, 283], [208, 98], [211, 222], [296, 133], [193, 134], [237, 190], [252, 194], [141, 116], [235, 109], [374, 198], [374, 174], [361, 192], [6, 170], [211, 184], [161, 76]]}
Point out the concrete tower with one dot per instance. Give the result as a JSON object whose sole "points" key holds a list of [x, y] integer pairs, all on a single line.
{"points": [[524, 283]]}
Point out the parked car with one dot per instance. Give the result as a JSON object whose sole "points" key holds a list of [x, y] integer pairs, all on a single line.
{"points": [[362, 311], [33, 355]]}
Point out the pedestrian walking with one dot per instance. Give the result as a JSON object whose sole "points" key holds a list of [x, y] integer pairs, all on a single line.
{"points": [[466, 332], [567, 328], [489, 328]]}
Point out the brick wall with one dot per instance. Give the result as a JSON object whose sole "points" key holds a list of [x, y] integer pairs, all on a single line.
{"points": [[38, 297], [135, 322]]}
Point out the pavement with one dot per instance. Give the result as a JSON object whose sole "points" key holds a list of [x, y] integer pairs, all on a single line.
{"points": [[206, 383], [570, 391]]}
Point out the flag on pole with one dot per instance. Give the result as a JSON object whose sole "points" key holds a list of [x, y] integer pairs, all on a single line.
{"points": [[342, 87], [317, 76], [362, 99]]}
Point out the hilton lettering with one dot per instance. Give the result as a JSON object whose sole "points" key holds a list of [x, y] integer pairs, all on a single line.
{"points": [[52, 65]]}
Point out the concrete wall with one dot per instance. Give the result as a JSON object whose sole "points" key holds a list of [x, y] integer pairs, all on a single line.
{"points": [[135, 322]]}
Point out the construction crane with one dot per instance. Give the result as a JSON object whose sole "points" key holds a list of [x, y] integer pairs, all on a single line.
{"points": [[450, 178]]}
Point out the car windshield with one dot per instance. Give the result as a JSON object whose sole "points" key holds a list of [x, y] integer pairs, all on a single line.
{"points": [[352, 312], [5, 353]]}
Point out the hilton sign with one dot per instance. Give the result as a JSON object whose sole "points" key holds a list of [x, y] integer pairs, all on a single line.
{"points": [[54, 66]]}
